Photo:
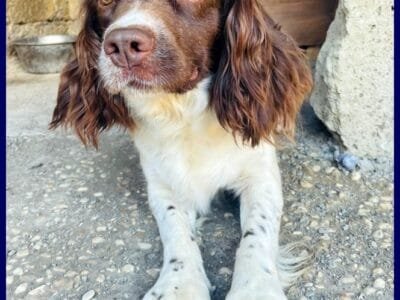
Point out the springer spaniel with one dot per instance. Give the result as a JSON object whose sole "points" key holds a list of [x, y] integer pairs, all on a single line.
{"points": [[206, 88]]}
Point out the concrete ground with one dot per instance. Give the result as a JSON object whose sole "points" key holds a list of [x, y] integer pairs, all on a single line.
{"points": [[79, 227]]}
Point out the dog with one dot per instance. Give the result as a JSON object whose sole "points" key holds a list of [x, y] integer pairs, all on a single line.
{"points": [[207, 89]]}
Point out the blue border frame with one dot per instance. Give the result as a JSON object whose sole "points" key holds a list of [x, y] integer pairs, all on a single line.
{"points": [[396, 147], [3, 147]]}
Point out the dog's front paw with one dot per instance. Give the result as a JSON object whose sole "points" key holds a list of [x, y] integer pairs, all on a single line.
{"points": [[182, 286]]}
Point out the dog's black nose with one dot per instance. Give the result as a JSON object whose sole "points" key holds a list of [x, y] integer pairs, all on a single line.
{"points": [[128, 47]]}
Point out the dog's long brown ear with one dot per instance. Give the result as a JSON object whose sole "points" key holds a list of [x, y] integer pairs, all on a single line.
{"points": [[262, 77], [82, 102]]}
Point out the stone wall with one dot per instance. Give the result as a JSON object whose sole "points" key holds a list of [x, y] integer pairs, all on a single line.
{"points": [[353, 93], [37, 17]]}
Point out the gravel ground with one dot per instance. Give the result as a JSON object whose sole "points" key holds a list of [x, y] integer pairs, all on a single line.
{"points": [[79, 226]]}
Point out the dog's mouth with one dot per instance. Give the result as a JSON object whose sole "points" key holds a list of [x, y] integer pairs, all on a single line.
{"points": [[152, 75], [161, 81], [140, 84]]}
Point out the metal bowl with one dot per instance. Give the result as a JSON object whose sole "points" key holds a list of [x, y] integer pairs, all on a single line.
{"points": [[45, 54]]}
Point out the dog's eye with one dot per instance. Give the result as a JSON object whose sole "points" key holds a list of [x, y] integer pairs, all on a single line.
{"points": [[174, 4], [106, 2]]}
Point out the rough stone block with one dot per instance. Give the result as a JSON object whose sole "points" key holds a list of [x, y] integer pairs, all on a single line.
{"points": [[353, 93], [22, 11], [38, 28], [74, 8]]}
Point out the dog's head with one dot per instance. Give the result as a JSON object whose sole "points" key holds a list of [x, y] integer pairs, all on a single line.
{"points": [[260, 76]]}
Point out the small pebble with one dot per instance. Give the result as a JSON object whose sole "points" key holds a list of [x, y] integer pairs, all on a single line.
{"points": [[305, 184], [309, 284], [330, 170], [378, 235], [363, 212], [59, 270], [348, 280], [89, 295], [225, 271], [21, 288], [18, 271], [119, 243], [374, 200], [39, 291], [369, 291], [144, 246], [36, 238], [386, 206], [98, 240], [101, 278], [379, 283], [10, 280], [101, 229], [153, 272], [128, 268], [316, 168], [356, 176], [377, 272], [70, 274], [347, 161], [22, 253], [228, 215]]}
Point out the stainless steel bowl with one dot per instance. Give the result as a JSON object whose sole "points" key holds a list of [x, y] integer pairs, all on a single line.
{"points": [[45, 54]]}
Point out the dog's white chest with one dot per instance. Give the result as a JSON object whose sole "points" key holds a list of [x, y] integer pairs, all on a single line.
{"points": [[199, 155], [183, 146]]}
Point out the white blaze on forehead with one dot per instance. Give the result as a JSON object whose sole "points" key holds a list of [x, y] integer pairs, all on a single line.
{"points": [[139, 17]]}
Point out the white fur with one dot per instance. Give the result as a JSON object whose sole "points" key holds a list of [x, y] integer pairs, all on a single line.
{"points": [[187, 157], [136, 16]]}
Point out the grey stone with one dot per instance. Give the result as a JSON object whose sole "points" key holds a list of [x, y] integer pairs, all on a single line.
{"points": [[18, 271], [353, 93], [379, 283], [89, 295], [21, 288], [39, 291], [225, 271], [348, 161], [128, 268]]}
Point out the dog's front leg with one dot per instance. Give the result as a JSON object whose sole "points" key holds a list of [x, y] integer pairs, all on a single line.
{"points": [[182, 275], [256, 268]]}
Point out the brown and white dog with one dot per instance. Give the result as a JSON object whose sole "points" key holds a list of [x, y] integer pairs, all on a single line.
{"points": [[205, 87]]}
